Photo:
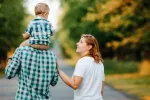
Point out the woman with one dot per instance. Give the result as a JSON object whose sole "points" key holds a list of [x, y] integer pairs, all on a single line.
{"points": [[88, 76]]}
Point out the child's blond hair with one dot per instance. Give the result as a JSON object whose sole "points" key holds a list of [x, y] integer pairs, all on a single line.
{"points": [[41, 8]]}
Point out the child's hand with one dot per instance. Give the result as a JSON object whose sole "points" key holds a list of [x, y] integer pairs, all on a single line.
{"points": [[25, 36]]}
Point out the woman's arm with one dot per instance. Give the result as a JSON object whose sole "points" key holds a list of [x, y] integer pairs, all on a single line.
{"points": [[102, 91], [72, 82]]}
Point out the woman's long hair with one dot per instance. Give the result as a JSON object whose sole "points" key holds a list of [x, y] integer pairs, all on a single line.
{"points": [[94, 51]]}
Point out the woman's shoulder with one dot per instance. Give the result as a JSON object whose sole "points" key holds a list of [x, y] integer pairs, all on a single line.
{"points": [[85, 60]]}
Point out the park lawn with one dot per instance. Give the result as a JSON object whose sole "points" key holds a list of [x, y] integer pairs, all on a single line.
{"points": [[133, 84], [1, 73]]}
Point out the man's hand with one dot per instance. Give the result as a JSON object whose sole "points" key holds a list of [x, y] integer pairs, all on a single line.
{"points": [[9, 59]]}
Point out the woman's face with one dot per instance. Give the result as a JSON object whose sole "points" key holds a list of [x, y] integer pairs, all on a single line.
{"points": [[82, 47]]}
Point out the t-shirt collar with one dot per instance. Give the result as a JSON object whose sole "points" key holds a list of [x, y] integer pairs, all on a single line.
{"points": [[39, 17]]}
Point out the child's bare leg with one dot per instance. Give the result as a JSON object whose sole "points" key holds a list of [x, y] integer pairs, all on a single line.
{"points": [[40, 46], [25, 43]]}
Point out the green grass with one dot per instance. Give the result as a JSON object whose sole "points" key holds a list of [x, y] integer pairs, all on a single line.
{"points": [[1, 73], [139, 86], [123, 75], [118, 67]]}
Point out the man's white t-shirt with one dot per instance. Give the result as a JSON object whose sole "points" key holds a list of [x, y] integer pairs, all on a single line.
{"points": [[93, 75]]}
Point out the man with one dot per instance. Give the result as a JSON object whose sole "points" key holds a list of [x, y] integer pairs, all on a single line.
{"points": [[36, 70]]}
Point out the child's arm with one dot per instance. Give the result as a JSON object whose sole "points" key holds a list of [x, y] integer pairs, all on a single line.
{"points": [[36, 46], [26, 36], [40, 46], [25, 43], [51, 29]]}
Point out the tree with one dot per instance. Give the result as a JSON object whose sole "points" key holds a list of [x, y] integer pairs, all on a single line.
{"points": [[129, 22], [121, 26], [72, 24], [11, 18]]}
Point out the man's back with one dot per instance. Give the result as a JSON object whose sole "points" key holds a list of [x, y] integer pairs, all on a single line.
{"points": [[36, 70]]}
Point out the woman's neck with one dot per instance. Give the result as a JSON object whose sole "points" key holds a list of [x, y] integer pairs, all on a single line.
{"points": [[85, 54]]}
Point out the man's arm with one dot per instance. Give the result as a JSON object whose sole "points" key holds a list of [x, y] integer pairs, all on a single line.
{"points": [[55, 78], [13, 65]]}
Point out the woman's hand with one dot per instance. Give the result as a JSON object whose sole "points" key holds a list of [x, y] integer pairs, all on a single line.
{"points": [[72, 82], [102, 92], [58, 68]]}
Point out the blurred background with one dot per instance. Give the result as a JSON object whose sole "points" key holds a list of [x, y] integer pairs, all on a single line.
{"points": [[122, 28]]}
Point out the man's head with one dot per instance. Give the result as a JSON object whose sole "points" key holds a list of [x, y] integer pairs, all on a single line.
{"points": [[42, 9]]}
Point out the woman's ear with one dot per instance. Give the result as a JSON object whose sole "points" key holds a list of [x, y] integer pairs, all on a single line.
{"points": [[89, 47]]}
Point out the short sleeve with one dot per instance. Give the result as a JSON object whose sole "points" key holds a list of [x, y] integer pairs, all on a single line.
{"points": [[80, 68], [29, 28], [103, 75], [51, 29]]}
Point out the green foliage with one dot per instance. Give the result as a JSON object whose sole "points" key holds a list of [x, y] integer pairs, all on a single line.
{"points": [[121, 27], [72, 24], [72, 21], [129, 22], [11, 27], [119, 67], [145, 41], [143, 80]]}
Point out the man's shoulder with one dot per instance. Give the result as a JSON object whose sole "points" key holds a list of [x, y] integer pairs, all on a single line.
{"points": [[24, 47], [28, 48]]}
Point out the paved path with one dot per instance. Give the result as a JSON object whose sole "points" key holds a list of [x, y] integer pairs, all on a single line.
{"points": [[60, 91]]}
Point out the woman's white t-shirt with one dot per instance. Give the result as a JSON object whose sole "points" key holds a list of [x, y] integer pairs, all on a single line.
{"points": [[93, 75]]}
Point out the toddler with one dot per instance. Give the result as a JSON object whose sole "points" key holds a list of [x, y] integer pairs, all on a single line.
{"points": [[39, 30]]}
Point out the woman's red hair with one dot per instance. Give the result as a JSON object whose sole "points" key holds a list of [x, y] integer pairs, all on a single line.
{"points": [[94, 51]]}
